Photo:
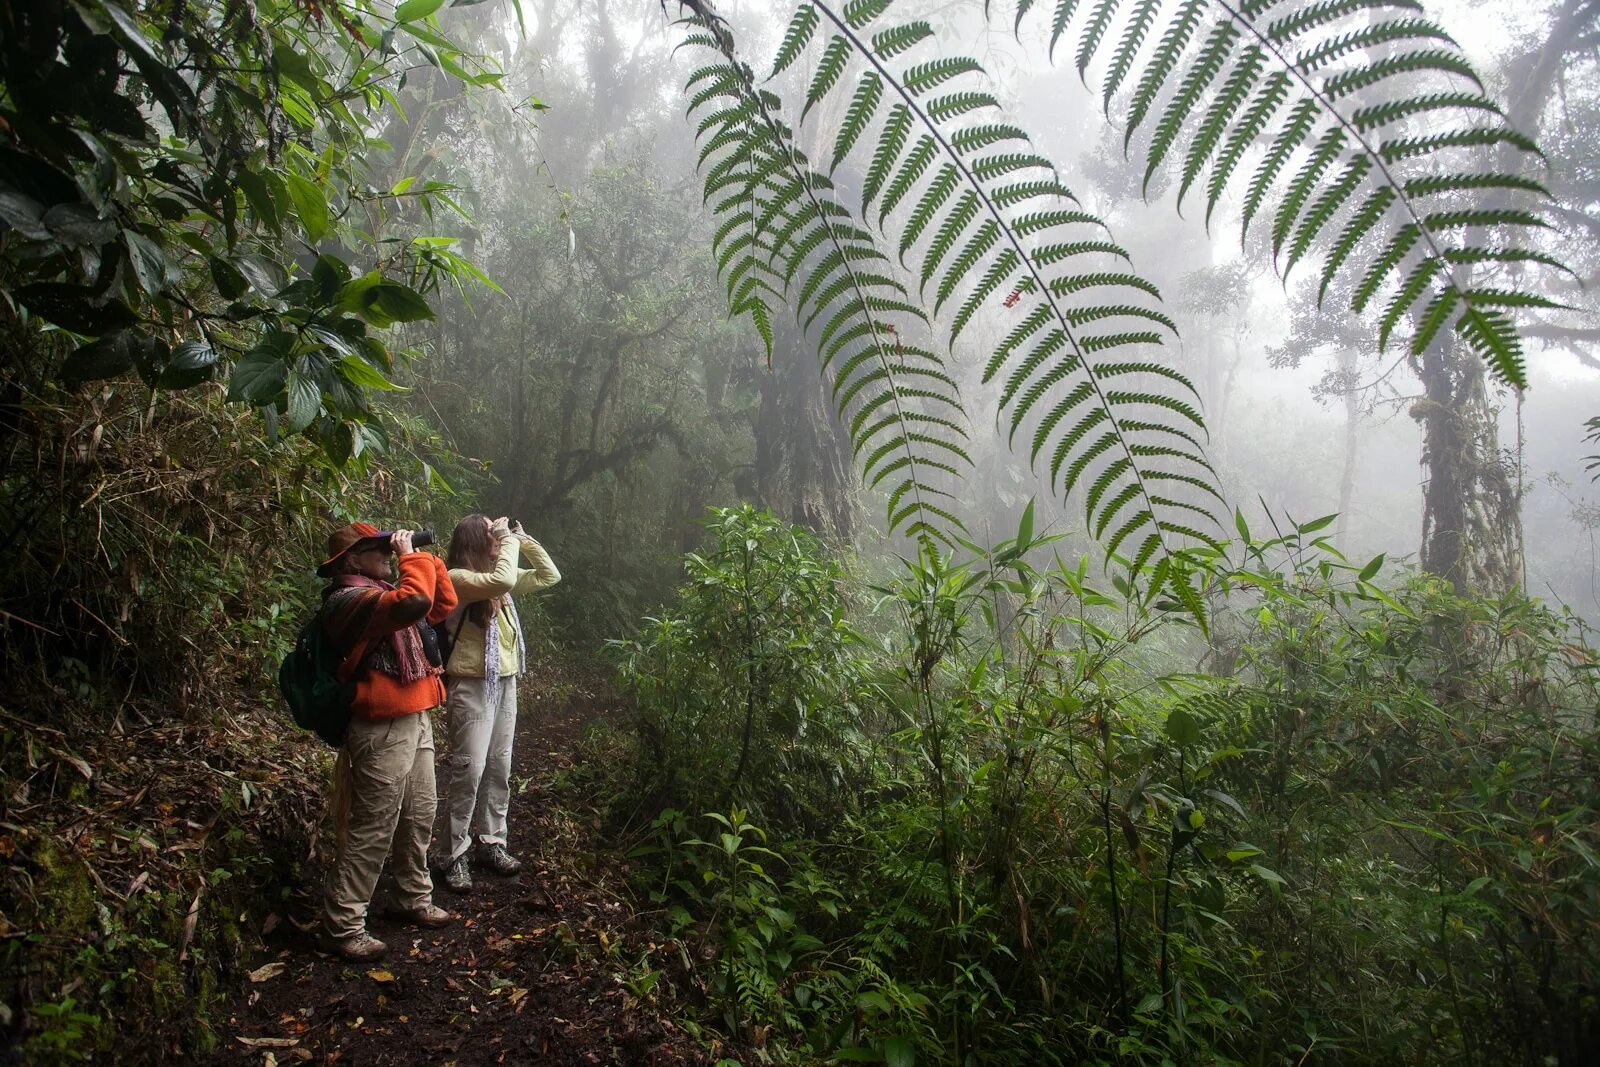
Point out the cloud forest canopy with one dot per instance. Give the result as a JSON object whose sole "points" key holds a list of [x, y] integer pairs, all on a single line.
{"points": [[1351, 129]]}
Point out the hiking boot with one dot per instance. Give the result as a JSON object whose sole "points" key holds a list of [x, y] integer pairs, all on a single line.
{"points": [[359, 948], [497, 859], [458, 876], [429, 915]]}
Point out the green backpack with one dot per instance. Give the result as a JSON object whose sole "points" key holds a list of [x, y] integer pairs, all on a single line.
{"points": [[309, 681]]}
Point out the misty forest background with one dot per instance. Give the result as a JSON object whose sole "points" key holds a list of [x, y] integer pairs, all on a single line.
{"points": [[911, 771]]}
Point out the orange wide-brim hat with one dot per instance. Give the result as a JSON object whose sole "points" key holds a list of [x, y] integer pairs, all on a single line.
{"points": [[347, 539]]}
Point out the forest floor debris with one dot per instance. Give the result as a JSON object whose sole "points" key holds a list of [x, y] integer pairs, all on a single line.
{"points": [[540, 967]]}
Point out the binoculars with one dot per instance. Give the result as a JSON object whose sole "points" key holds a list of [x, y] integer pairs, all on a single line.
{"points": [[419, 539]]}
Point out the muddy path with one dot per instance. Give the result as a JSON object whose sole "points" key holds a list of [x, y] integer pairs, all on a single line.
{"points": [[549, 966]]}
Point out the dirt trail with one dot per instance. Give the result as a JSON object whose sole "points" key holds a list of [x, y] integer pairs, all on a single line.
{"points": [[532, 970]]}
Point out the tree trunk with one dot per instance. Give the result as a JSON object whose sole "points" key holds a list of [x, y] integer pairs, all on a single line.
{"points": [[804, 471], [1471, 515]]}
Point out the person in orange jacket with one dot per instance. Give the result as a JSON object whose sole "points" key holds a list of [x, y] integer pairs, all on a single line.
{"points": [[385, 768]]}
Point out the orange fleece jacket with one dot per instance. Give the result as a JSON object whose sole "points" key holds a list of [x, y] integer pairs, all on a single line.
{"points": [[423, 592]]}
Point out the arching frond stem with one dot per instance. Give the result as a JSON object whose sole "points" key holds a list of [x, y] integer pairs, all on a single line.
{"points": [[1038, 281], [1356, 135]]}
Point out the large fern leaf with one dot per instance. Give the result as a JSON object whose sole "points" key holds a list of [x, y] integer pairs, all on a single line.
{"points": [[1360, 109]]}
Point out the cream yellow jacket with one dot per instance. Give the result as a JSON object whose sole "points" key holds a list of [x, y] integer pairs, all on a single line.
{"points": [[472, 587]]}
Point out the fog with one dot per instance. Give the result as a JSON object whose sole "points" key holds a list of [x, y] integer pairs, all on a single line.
{"points": [[640, 402]]}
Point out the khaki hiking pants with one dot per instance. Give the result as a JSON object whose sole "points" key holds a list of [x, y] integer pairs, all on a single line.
{"points": [[392, 799], [478, 770]]}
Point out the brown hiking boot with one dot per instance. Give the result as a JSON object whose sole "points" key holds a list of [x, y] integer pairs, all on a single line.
{"points": [[429, 915], [360, 948]]}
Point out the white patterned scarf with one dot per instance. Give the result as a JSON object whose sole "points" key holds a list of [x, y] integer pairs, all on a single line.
{"points": [[491, 651]]}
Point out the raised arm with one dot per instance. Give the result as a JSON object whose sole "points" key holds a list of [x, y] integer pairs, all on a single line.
{"points": [[472, 586], [541, 572]]}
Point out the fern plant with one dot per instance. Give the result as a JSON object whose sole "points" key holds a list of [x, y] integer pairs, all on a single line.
{"points": [[1311, 110]]}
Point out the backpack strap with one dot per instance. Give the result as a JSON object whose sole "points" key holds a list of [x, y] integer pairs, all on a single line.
{"points": [[354, 620]]}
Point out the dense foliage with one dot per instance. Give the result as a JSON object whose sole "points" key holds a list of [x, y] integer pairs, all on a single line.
{"points": [[1031, 821]]}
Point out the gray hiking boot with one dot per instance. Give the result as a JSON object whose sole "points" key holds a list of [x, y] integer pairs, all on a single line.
{"points": [[497, 859], [458, 876]]}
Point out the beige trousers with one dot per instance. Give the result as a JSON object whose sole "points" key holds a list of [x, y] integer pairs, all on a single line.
{"points": [[392, 798]]}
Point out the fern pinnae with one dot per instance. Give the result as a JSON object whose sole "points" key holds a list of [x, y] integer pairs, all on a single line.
{"points": [[907, 175], [1380, 33], [1004, 266], [1094, 31], [1433, 318], [860, 13], [863, 108], [897, 129], [1493, 337], [1323, 13], [1410, 292], [1059, 22], [1180, 31], [1202, 72], [1406, 238], [1318, 163], [1413, 62], [1301, 119], [1081, 462], [973, 252], [1230, 98], [801, 28], [1376, 116], [829, 70], [955, 225], [902, 38], [1135, 30], [1047, 425], [1322, 211], [1358, 227], [1049, 345], [1274, 93], [938, 191]]}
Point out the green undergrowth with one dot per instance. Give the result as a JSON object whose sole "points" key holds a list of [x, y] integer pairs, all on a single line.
{"points": [[987, 812]]}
